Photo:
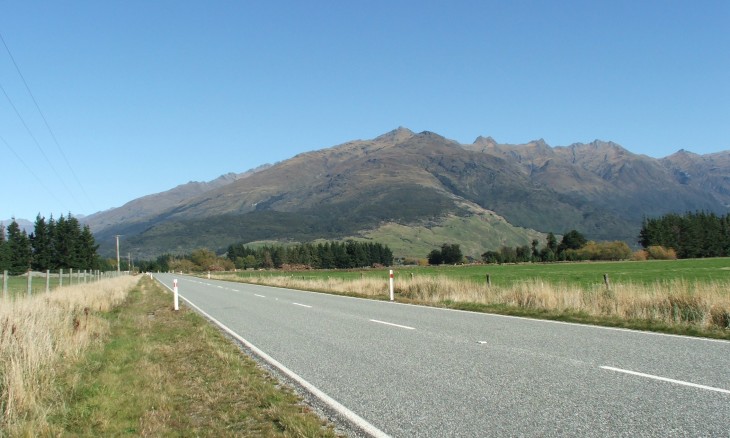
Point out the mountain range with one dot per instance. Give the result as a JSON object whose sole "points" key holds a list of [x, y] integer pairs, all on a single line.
{"points": [[415, 191]]}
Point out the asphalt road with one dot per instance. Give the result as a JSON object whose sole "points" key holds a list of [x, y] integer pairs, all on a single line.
{"points": [[414, 371]]}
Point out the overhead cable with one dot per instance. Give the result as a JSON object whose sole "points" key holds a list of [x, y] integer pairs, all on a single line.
{"points": [[29, 170], [45, 121]]}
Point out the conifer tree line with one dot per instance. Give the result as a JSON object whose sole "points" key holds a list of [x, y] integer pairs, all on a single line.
{"points": [[54, 244], [329, 255], [692, 235]]}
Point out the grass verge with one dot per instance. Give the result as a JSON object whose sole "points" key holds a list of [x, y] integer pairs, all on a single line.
{"points": [[166, 373]]}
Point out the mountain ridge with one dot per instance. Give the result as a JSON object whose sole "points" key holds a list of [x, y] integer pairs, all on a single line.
{"points": [[407, 178]]}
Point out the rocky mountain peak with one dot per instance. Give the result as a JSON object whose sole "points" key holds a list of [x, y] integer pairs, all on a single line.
{"points": [[397, 135], [485, 141]]}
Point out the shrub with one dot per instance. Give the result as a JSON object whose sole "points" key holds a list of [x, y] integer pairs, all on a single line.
{"points": [[640, 256], [604, 251], [657, 252]]}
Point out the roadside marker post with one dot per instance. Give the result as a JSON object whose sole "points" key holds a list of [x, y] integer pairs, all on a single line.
{"points": [[174, 291], [391, 285]]}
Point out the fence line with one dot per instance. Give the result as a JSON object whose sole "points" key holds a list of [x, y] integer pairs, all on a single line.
{"points": [[15, 285]]}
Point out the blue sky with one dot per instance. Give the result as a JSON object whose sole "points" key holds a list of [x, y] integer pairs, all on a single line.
{"points": [[141, 96]]}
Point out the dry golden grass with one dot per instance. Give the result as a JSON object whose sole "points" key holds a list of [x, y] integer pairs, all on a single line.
{"points": [[705, 305], [39, 331]]}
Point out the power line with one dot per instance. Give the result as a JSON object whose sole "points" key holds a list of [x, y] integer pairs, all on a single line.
{"points": [[40, 182], [45, 121], [43, 153]]}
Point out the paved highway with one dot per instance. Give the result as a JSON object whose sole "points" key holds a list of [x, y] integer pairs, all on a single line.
{"points": [[412, 371]]}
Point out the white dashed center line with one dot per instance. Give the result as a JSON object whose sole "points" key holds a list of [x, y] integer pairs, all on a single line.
{"points": [[391, 324], [665, 379]]}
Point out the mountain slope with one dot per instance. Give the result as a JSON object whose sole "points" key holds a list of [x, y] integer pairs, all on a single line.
{"points": [[423, 180]]}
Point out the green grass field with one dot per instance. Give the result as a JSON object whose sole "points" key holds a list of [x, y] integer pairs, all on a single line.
{"points": [[18, 285], [580, 274]]}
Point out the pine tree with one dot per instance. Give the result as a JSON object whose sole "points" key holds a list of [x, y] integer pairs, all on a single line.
{"points": [[66, 243], [4, 250], [693, 235], [87, 249], [19, 248], [42, 245]]}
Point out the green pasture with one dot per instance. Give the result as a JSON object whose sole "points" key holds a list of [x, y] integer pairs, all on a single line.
{"points": [[578, 273], [18, 285]]}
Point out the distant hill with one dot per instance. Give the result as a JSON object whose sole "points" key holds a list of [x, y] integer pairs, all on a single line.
{"points": [[481, 195], [24, 224], [151, 205]]}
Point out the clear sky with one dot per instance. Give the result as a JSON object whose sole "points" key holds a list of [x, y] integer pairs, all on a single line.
{"points": [[137, 97]]}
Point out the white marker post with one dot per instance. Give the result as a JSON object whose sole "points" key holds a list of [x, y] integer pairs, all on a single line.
{"points": [[391, 285], [174, 291]]}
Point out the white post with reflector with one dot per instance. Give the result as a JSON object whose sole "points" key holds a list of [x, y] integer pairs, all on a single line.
{"points": [[174, 291], [391, 285]]}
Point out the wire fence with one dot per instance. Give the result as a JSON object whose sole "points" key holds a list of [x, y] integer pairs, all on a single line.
{"points": [[34, 282]]}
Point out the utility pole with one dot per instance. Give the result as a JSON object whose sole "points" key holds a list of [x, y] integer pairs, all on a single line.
{"points": [[118, 265]]}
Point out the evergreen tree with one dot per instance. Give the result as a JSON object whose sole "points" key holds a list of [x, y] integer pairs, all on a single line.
{"points": [[87, 250], [67, 237], [20, 250], [386, 255], [42, 245], [4, 250], [341, 258], [326, 255], [698, 234]]}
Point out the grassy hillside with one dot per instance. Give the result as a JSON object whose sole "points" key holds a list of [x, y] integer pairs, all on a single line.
{"points": [[475, 234]]}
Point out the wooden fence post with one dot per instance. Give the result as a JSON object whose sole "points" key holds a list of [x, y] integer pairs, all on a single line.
{"points": [[605, 280]]}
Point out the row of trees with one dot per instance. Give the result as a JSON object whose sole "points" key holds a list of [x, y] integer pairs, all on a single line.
{"points": [[553, 251], [573, 247], [691, 235], [329, 255], [339, 255], [53, 245]]}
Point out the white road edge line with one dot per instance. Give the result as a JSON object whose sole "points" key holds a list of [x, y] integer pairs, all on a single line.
{"points": [[665, 379], [302, 305], [394, 325], [260, 296], [329, 401]]}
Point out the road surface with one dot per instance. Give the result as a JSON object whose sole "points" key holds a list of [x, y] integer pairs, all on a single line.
{"points": [[412, 371]]}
